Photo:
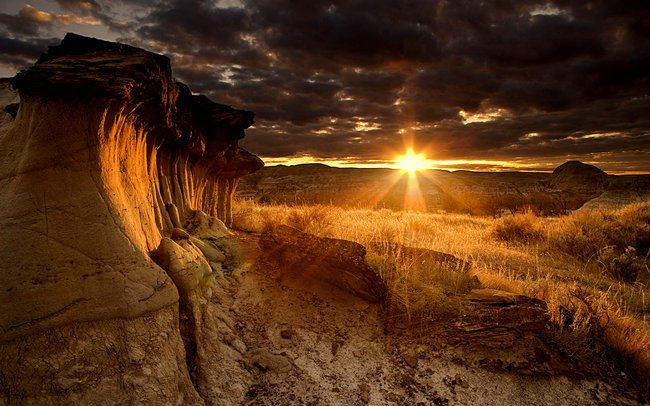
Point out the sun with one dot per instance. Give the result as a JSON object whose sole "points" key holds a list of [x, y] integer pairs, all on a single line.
{"points": [[411, 162]]}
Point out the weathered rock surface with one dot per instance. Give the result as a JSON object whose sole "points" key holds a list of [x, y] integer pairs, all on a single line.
{"points": [[8, 105], [309, 258], [106, 159], [117, 361]]}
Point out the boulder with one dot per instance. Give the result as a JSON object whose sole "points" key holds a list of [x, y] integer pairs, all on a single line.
{"points": [[200, 225], [183, 262], [339, 263]]}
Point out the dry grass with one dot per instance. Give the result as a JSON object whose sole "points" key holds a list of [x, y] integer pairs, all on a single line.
{"points": [[521, 227], [590, 267]]}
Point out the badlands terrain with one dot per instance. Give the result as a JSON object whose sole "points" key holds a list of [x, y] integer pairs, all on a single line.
{"points": [[568, 187], [129, 275]]}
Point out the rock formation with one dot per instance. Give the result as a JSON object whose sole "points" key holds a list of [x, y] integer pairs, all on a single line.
{"points": [[575, 176], [107, 161], [309, 259]]}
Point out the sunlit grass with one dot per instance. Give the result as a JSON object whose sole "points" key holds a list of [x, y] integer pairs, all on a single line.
{"points": [[584, 263]]}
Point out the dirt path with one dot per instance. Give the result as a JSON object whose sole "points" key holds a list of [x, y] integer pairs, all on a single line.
{"points": [[312, 344]]}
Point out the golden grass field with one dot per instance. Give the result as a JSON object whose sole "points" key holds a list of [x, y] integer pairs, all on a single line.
{"points": [[590, 267]]}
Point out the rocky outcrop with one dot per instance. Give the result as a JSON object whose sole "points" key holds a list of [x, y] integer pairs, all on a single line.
{"points": [[106, 164], [616, 199], [311, 259], [575, 176]]}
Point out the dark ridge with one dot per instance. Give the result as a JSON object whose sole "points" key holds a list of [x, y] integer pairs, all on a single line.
{"points": [[578, 168]]}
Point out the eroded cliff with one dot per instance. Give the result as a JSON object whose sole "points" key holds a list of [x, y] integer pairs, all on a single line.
{"points": [[107, 161]]}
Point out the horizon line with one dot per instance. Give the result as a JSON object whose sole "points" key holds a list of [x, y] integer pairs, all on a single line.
{"points": [[486, 168]]}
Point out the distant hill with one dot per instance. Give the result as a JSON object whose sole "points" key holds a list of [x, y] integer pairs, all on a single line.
{"points": [[577, 176], [568, 187]]}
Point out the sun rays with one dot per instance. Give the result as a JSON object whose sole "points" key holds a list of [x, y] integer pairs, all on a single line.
{"points": [[411, 162]]}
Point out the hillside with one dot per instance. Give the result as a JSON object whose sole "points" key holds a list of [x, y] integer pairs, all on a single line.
{"points": [[569, 187]]}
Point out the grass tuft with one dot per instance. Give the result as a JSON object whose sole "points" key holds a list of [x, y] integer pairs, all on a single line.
{"points": [[518, 228]]}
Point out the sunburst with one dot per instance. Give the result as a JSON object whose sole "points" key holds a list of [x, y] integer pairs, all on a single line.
{"points": [[411, 162]]}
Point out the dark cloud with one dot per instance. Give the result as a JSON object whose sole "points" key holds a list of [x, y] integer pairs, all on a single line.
{"points": [[346, 33], [19, 53], [190, 25], [522, 81]]}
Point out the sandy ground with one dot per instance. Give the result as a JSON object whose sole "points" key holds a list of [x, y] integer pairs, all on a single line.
{"points": [[311, 344]]}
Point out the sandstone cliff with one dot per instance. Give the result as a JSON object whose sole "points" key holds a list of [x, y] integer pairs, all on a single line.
{"points": [[107, 158]]}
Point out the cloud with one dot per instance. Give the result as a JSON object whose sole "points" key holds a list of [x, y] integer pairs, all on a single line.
{"points": [[20, 53], [464, 80], [79, 5], [31, 21], [189, 25]]}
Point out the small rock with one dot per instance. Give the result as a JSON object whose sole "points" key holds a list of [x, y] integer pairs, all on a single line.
{"points": [[335, 346], [136, 354], [364, 392], [238, 345], [460, 381], [411, 360], [180, 234], [264, 360], [286, 334]]}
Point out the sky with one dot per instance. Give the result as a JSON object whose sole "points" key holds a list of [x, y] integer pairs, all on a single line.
{"points": [[480, 85]]}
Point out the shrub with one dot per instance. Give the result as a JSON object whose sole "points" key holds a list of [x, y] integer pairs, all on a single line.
{"points": [[519, 228], [625, 266], [420, 288], [581, 234], [616, 240], [311, 219]]}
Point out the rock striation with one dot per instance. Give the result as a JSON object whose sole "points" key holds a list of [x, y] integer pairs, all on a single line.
{"points": [[107, 165]]}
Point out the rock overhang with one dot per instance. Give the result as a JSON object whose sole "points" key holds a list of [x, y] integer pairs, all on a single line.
{"points": [[111, 73], [106, 156]]}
